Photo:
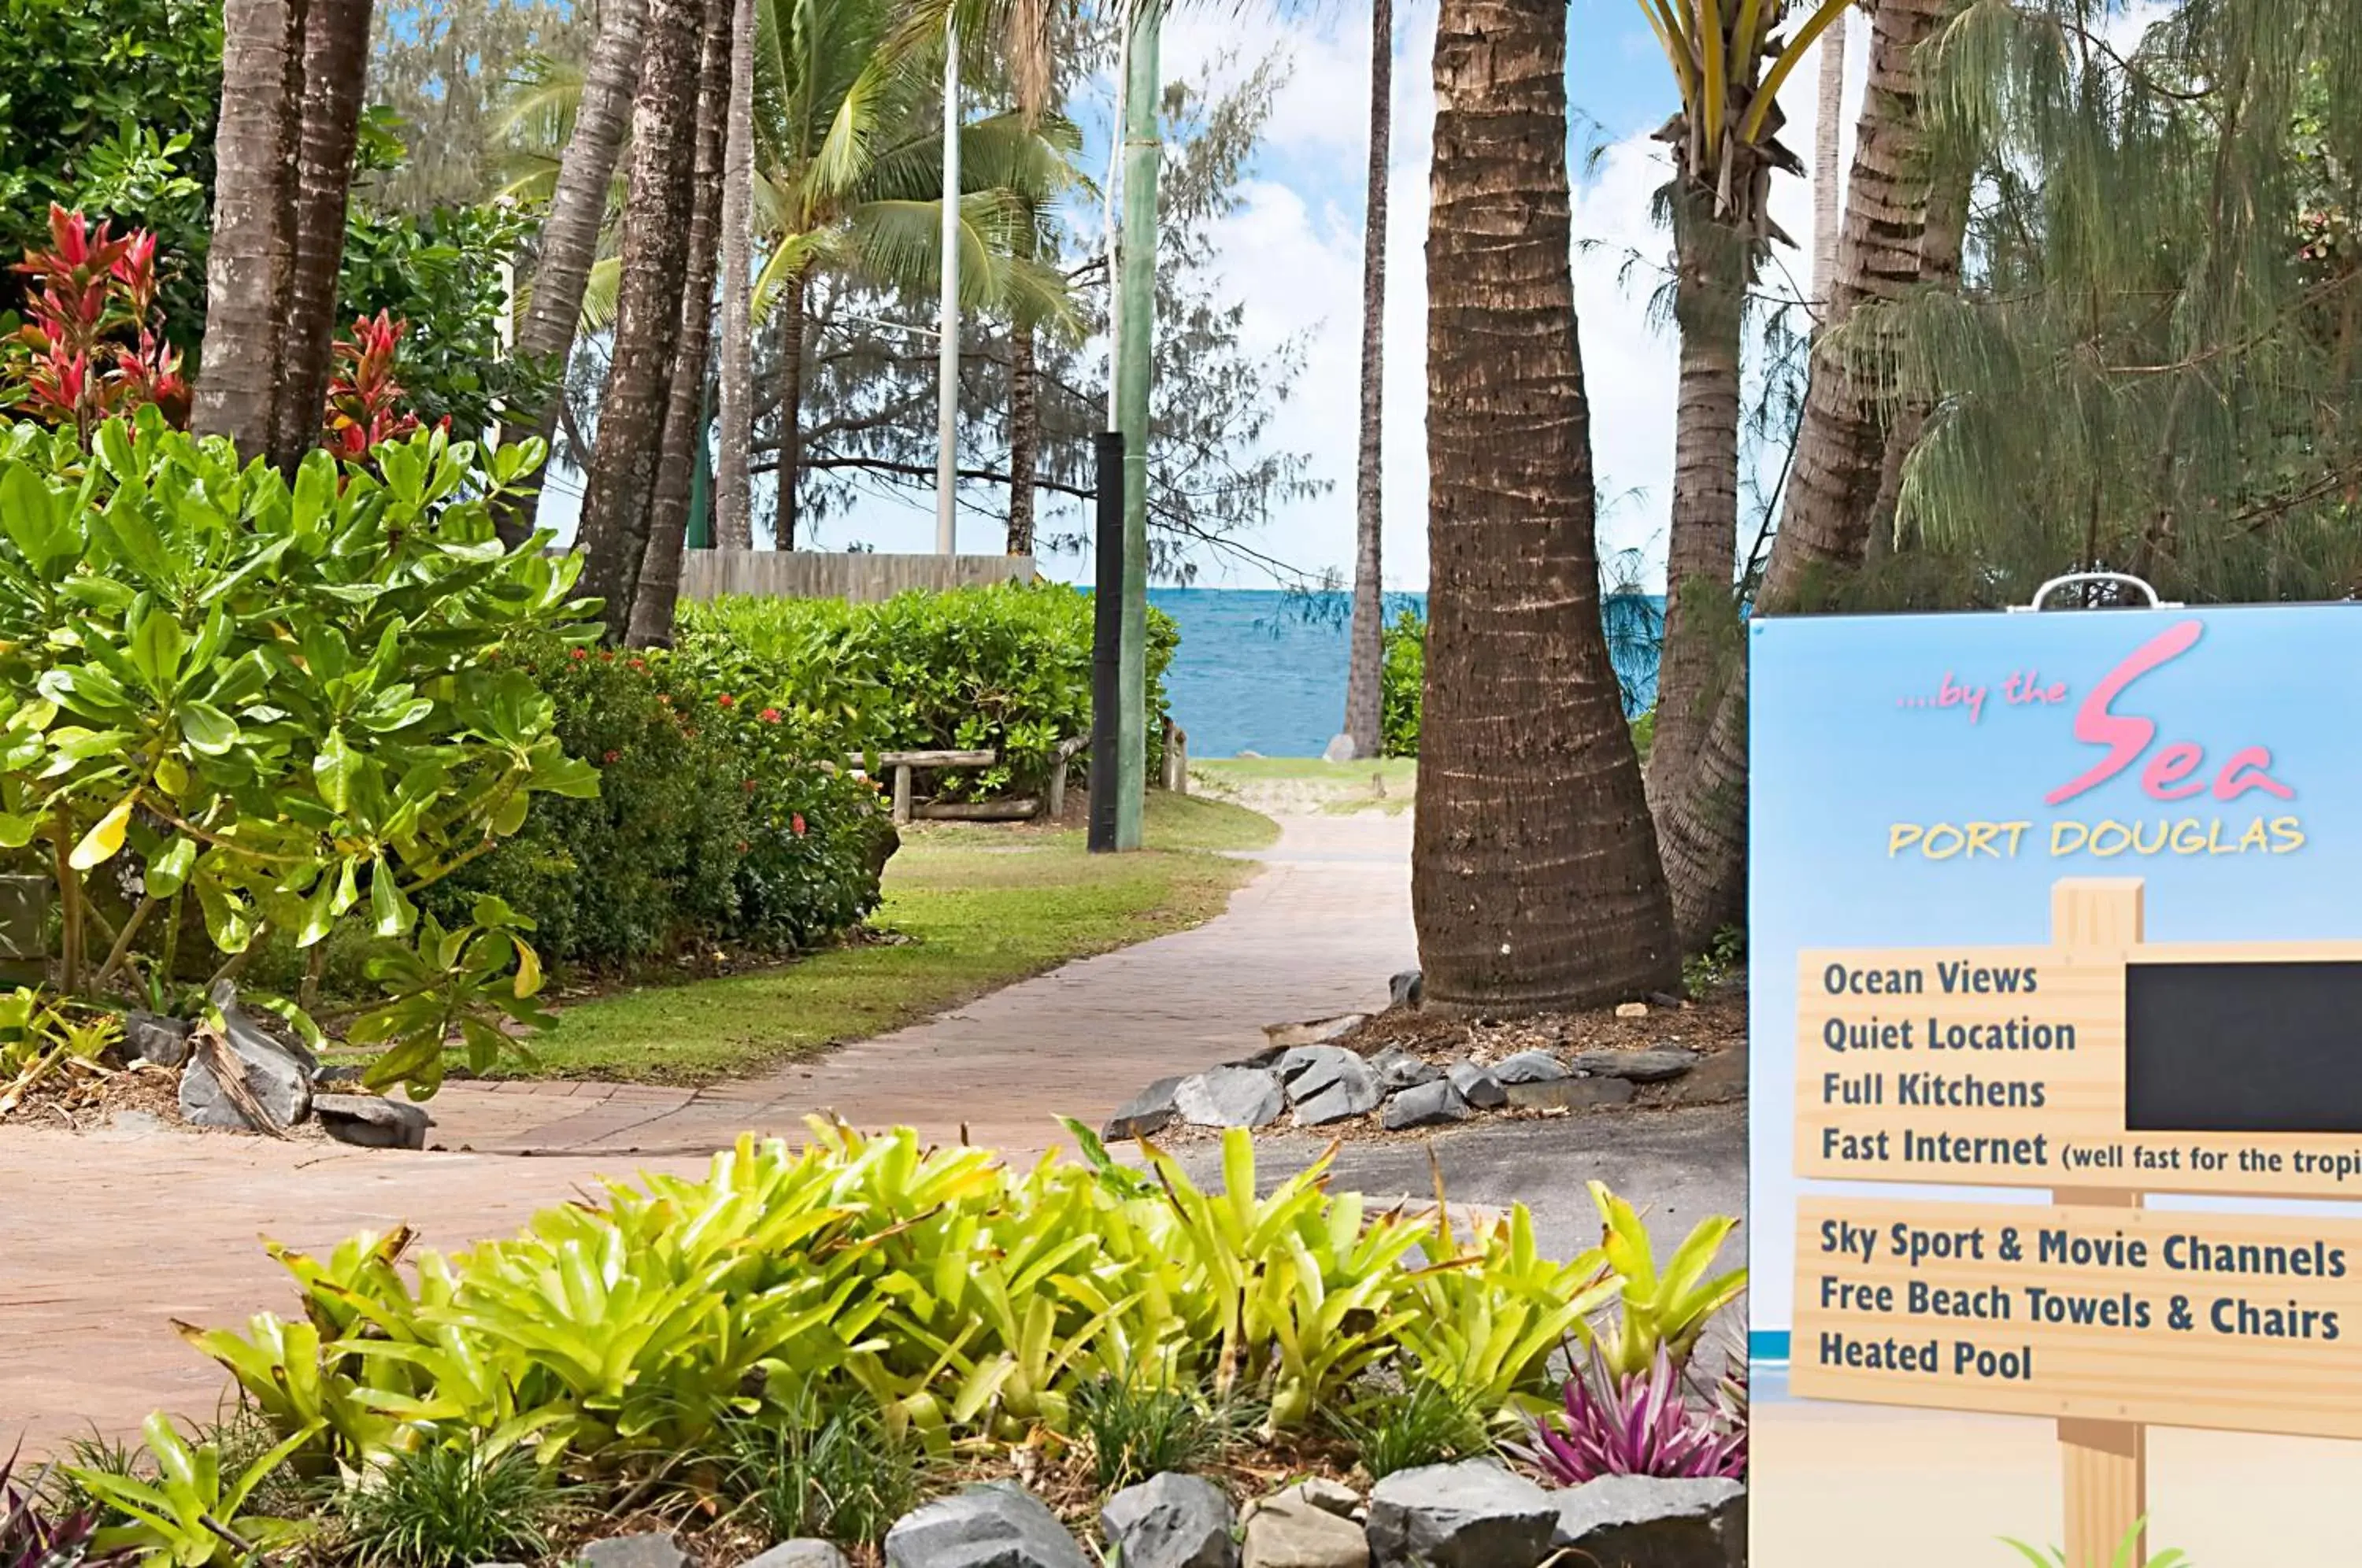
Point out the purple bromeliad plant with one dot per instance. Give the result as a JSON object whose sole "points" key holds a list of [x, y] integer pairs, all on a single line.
{"points": [[32, 1538], [1643, 1424]]}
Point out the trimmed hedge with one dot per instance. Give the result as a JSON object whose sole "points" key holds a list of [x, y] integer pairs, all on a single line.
{"points": [[1006, 667]]}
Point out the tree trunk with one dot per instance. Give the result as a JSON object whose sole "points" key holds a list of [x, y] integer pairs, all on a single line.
{"points": [[1702, 547], [336, 65], [570, 234], [1366, 656], [1828, 169], [1535, 881], [1024, 435], [791, 407], [733, 504], [1840, 453], [685, 412], [617, 498], [250, 265], [1939, 268]]}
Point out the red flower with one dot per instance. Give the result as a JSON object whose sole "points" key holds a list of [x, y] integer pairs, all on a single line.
{"points": [[639, 663], [576, 654], [726, 700], [613, 755], [769, 715], [797, 822], [749, 786], [742, 846], [606, 655]]}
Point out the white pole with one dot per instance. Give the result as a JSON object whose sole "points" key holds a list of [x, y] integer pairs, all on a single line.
{"points": [[947, 349], [1107, 218]]}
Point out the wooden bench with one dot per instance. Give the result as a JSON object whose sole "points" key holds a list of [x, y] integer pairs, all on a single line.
{"points": [[902, 765]]}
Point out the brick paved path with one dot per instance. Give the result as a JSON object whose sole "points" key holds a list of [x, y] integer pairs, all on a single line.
{"points": [[106, 1237]]}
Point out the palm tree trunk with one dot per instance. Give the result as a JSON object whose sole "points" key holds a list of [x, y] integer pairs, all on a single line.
{"points": [[1534, 874], [1841, 454], [733, 504], [685, 412], [569, 234], [1939, 267], [250, 265], [1365, 654], [616, 500], [1024, 435], [1701, 547], [336, 65], [792, 406], [1828, 169]]}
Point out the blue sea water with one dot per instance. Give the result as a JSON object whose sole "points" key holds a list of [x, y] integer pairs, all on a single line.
{"points": [[1264, 670]]}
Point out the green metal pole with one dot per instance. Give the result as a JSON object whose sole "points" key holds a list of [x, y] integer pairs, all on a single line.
{"points": [[1135, 330], [700, 480]]}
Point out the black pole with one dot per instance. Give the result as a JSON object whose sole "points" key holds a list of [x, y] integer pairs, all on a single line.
{"points": [[1106, 634]]}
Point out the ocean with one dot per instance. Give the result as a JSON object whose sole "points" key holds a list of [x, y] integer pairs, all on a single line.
{"points": [[1264, 670]]}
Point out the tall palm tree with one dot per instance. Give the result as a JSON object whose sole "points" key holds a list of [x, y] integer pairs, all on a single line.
{"points": [[1828, 169], [600, 110], [336, 65], [250, 264], [1729, 64], [685, 412], [1366, 656], [1841, 451], [734, 502], [617, 496], [1534, 876]]}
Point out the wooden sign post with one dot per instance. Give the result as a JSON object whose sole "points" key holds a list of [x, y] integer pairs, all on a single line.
{"points": [[2101, 1067]]}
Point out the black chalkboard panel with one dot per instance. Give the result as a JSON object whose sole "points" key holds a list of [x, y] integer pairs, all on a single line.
{"points": [[2264, 1047]]}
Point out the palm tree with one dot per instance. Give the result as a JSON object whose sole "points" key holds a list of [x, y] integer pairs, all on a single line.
{"points": [[734, 503], [617, 496], [1729, 64], [1534, 878], [1828, 169], [1841, 452], [599, 109], [250, 265], [1366, 656], [685, 411], [335, 64], [849, 153]]}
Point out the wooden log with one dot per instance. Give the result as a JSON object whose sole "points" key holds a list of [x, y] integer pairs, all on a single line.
{"points": [[1176, 758], [1017, 809], [902, 795], [1060, 761], [935, 758]]}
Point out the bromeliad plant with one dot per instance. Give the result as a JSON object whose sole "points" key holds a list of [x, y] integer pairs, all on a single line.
{"points": [[189, 1515], [33, 1535], [960, 1299], [1668, 1310], [1643, 1424], [282, 699]]}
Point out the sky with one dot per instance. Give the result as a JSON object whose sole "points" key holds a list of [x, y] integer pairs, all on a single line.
{"points": [[1292, 254]]}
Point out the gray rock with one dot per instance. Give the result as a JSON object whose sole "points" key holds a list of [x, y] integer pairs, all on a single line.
{"points": [[1643, 1522], [1407, 988], [1721, 1077], [1230, 1097], [1425, 1105], [1144, 1112], [1172, 1521], [153, 1038], [1529, 1067], [1570, 1094], [799, 1554], [1665, 998], [277, 1075], [1313, 1031], [1397, 1068], [1328, 1083], [654, 1551], [1477, 1085], [1293, 1529], [1655, 1066], [1472, 1514], [325, 1077], [372, 1122], [1341, 749], [993, 1525]]}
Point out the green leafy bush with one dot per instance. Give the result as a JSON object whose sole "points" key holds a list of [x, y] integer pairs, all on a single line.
{"points": [[1634, 628], [960, 1298], [281, 700], [1136, 1431], [716, 820], [1423, 1423], [454, 1503], [806, 1471], [1006, 668], [1404, 676], [191, 1512]]}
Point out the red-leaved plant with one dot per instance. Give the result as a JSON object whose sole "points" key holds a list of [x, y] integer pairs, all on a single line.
{"points": [[1645, 1424], [32, 1537], [92, 342], [364, 400]]}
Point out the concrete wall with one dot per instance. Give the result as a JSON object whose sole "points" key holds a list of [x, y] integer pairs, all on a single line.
{"points": [[820, 574]]}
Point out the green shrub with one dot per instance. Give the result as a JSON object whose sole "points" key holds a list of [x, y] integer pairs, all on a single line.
{"points": [[1006, 668], [1134, 1430], [962, 1299], [1399, 1428], [1404, 674], [837, 1474], [716, 820], [455, 1504]]}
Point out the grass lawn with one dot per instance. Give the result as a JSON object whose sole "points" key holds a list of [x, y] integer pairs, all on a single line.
{"points": [[1308, 786], [979, 905], [1399, 772]]}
